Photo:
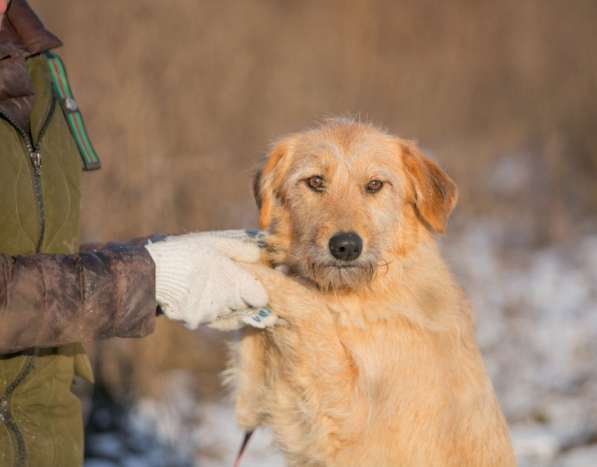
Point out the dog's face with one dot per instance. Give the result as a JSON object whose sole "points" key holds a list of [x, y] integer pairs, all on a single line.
{"points": [[339, 200]]}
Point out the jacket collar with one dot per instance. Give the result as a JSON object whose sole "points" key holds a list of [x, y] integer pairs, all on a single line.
{"points": [[22, 35]]}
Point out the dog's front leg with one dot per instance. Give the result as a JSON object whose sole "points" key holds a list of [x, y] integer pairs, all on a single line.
{"points": [[248, 378], [310, 374]]}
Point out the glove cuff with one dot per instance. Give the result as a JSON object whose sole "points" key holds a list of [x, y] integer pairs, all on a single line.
{"points": [[172, 269]]}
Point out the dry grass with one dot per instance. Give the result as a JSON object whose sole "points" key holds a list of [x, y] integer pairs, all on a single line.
{"points": [[183, 96]]}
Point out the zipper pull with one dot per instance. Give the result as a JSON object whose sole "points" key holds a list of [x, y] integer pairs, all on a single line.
{"points": [[36, 160]]}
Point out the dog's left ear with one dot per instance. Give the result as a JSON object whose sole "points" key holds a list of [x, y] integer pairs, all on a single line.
{"points": [[435, 194], [268, 181]]}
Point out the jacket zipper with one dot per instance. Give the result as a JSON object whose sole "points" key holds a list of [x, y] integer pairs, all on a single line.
{"points": [[6, 415], [36, 161], [35, 158]]}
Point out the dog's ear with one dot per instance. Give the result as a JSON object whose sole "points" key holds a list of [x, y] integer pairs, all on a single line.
{"points": [[435, 194], [268, 180]]}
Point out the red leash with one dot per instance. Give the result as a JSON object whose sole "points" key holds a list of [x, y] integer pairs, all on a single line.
{"points": [[243, 446]]}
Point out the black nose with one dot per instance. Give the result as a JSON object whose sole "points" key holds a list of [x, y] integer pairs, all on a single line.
{"points": [[346, 246]]}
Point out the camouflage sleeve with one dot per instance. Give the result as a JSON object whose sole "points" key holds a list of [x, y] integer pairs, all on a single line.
{"points": [[51, 299]]}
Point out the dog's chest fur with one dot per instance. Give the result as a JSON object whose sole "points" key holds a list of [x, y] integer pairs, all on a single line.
{"points": [[356, 374]]}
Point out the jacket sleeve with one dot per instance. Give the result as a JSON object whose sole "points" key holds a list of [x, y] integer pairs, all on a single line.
{"points": [[51, 299]]}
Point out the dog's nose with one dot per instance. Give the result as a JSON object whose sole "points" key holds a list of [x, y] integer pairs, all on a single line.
{"points": [[346, 246]]}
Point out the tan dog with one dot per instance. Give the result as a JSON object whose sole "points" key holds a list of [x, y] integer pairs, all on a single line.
{"points": [[376, 364]]}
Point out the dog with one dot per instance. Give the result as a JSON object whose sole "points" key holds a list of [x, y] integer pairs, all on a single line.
{"points": [[375, 362]]}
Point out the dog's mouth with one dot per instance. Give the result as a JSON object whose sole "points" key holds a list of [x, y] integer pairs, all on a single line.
{"points": [[366, 266], [338, 265], [338, 275]]}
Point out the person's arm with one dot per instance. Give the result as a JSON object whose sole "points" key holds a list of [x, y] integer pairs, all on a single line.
{"points": [[51, 299], [113, 290]]}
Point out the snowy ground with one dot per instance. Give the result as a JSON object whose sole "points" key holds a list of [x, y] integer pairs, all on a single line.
{"points": [[176, 431], [537, 327]]}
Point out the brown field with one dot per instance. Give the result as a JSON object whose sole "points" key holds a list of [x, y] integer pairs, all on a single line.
{"points": [[183, 97]]}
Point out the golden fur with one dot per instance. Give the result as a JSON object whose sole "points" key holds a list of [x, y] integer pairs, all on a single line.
{"points": [[375, 364]]}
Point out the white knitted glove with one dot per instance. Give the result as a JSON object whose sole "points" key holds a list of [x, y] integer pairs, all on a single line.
{"points": [[198, 282]]}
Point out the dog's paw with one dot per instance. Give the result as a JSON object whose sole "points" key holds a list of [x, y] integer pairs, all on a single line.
{"points": [[260, 318]]}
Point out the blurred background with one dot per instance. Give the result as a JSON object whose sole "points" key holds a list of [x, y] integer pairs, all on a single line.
{"points": [[183, 97]]}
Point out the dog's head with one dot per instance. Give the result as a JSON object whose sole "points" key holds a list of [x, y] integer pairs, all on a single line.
{"points": [[345, 199]]}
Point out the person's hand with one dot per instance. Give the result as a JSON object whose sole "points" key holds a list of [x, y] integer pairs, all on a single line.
{"points": [[198, 281]]}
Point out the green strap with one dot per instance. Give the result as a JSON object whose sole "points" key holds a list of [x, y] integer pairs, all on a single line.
{"points": [[72, 113]]}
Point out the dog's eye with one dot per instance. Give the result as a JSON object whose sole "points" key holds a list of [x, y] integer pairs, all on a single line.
{"points": [[373, 186], [316, 183]]}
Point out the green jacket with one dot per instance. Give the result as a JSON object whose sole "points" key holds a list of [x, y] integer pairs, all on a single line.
{"points": [[51, 296], [45, 379]]}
